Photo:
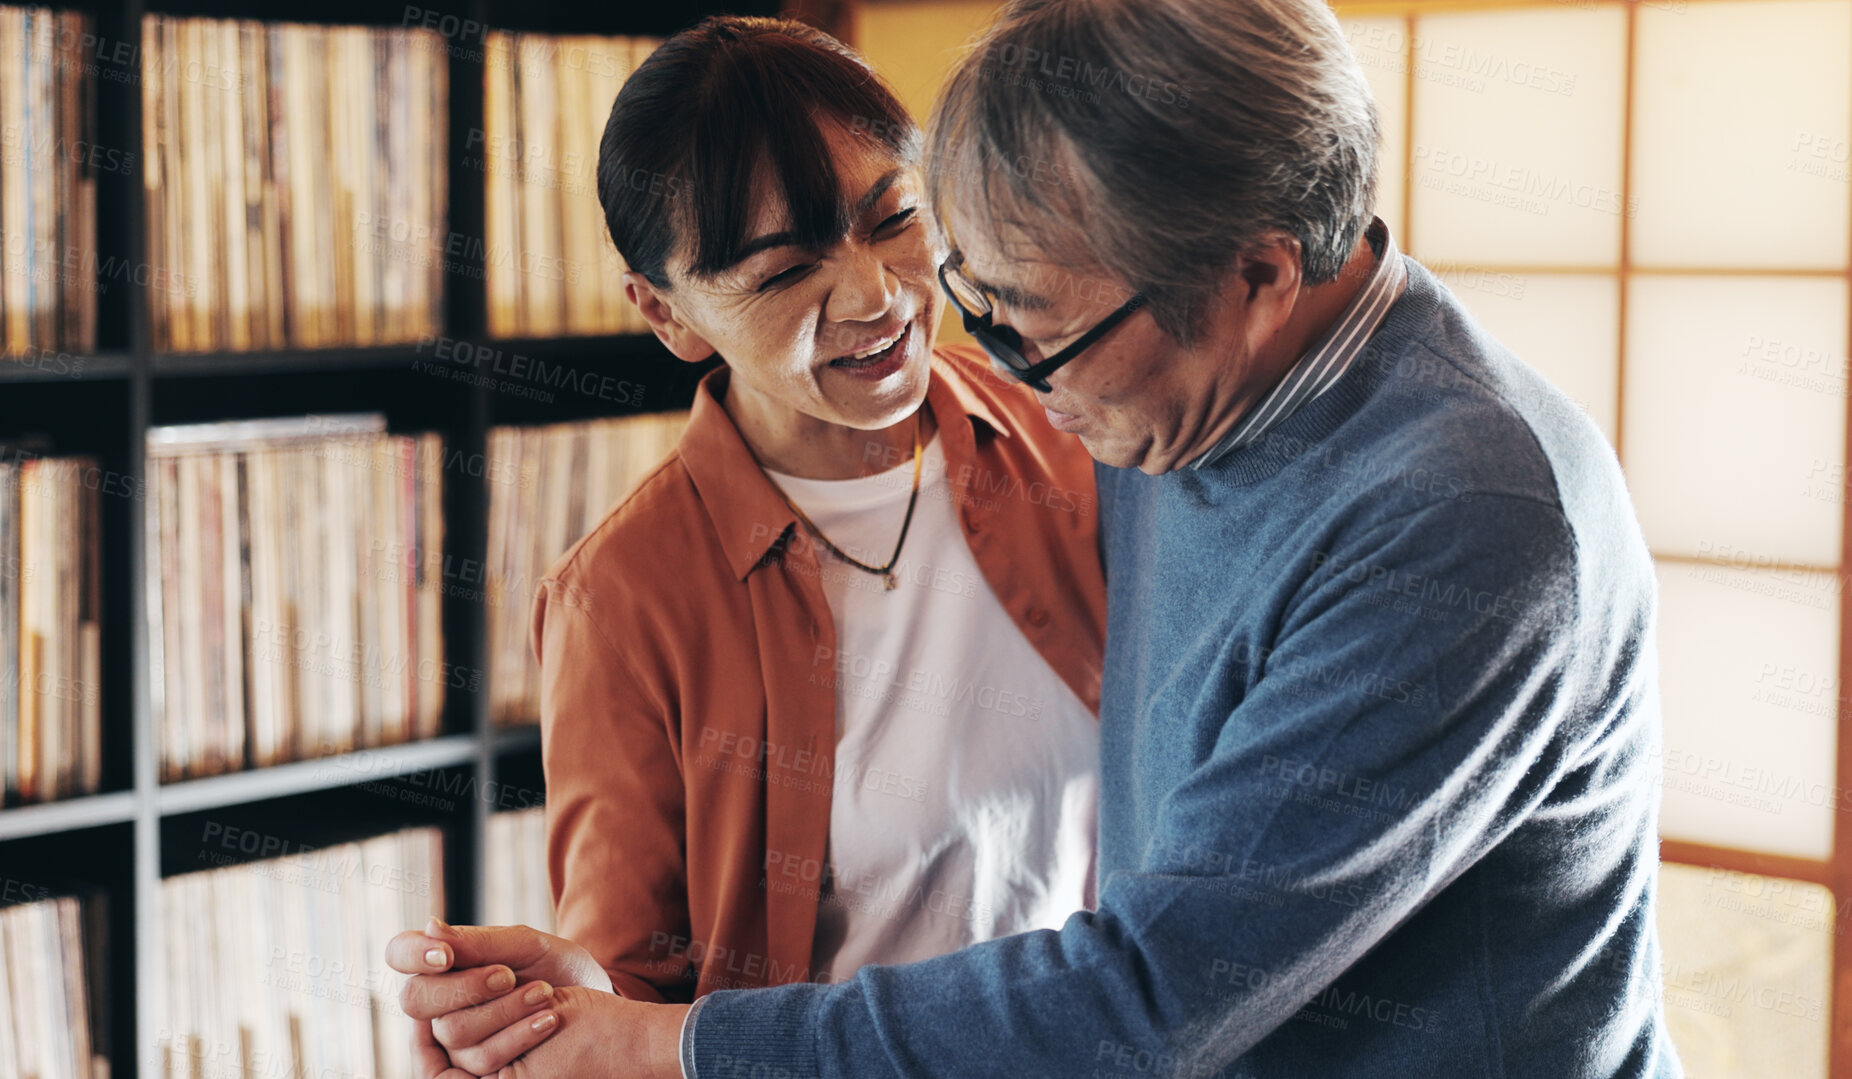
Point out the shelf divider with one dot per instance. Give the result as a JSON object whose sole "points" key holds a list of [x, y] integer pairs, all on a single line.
{"points": [[315, 774], [69, 815]]}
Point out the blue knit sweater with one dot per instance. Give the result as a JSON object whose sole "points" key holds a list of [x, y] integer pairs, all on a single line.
{"points": [[1380, 751]]}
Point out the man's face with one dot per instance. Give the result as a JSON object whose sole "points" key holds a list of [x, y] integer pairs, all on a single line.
{"points": [[1135, 398]]}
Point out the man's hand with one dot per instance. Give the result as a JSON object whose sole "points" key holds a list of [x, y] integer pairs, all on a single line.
{"points": [[603, 1036], [431, 1061], [482, 995]]}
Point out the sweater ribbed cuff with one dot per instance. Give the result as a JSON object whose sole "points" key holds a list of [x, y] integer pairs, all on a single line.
{"points": [[687, 1039], [764, 1033]]}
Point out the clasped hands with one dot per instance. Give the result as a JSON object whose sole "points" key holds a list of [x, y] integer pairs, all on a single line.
{"points": [[515, 1003]]}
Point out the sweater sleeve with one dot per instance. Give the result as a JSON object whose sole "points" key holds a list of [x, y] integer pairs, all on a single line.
{"points": [[615, 817], [1429, 655]]}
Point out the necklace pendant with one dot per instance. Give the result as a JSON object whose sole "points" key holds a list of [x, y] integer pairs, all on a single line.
{"points": [[891, 584]]}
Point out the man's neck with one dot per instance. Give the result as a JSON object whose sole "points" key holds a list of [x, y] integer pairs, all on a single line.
{"points": [[1320, 307], [1315, 311]]}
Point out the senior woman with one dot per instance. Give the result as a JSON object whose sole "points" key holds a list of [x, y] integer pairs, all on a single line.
{"points": [[822, 691]]}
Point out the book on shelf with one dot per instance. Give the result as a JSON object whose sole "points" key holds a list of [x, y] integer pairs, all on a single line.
{"points": [[48, 166], [295, 183], [48, 1027], [549, 485], [294, 590], [277, 968], [51, 719], [551, 267], [519, 892]]}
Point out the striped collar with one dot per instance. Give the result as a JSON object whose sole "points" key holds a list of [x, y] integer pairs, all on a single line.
{"points": [[1327, 360]]}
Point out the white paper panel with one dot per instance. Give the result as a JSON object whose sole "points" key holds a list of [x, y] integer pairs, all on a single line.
{"points": [[1741, 131], [1734, 427], [1381, 45], [1518, 142], [1750, 683], [1747, 962], [1565, 325]]}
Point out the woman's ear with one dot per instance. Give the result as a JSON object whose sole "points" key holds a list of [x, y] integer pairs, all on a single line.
{"points": [[679, 337]]}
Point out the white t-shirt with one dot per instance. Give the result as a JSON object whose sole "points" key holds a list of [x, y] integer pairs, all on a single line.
{"points": [[966, 793]]}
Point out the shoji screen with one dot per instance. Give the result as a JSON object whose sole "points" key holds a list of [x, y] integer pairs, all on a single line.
{"points": [[1648, 201]]}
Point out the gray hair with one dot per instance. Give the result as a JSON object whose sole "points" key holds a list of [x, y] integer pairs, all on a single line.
{"points": [[1158, 139]]}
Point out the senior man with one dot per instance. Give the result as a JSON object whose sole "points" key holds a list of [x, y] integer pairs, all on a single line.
{"points": [[1380, 718]]}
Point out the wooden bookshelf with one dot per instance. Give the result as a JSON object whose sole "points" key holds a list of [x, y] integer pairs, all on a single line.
{"points": [[122, 841]]}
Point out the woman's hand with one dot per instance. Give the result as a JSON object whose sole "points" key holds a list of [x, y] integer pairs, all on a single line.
{"points": [[483, 995]]}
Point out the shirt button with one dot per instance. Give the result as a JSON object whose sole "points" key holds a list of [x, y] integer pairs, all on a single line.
{"points": [[1038, 617]]}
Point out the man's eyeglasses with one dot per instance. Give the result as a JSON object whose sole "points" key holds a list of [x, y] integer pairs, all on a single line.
{"points": [[1003, 343]]}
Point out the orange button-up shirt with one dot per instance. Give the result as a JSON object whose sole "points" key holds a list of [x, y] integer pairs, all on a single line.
{"points": [[686, 649]]}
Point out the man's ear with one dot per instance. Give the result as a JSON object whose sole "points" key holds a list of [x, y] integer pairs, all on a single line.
{"points": [[1266, 282], [1273, 263], [678, 336]]}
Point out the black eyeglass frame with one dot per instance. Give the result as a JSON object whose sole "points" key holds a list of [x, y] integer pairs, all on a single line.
{"points": [[1004, 344]]}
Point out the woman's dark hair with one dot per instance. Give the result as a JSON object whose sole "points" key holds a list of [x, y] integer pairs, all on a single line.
{"points": [[712, 107]]}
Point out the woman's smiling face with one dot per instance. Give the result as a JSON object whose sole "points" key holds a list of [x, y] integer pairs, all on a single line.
{"points": [[842, 334]]}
